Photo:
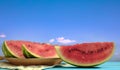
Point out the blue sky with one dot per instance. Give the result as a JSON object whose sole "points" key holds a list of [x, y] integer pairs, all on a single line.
{"points": [[76, 20]]}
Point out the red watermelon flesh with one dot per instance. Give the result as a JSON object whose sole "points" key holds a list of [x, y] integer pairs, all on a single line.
{"points": [[41, 50], [86, 54]]}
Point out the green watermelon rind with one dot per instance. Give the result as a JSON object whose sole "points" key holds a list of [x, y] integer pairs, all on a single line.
{"points": [[82, 65], [25, 53], [6, 54], [6, 51], [28, 54]]}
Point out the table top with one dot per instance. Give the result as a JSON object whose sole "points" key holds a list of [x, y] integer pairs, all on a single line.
{"points": [[105, 66]]}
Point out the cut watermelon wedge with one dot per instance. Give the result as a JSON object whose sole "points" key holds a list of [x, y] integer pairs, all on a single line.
{"points": [[86, 54], [39, 51], [12, 49]]}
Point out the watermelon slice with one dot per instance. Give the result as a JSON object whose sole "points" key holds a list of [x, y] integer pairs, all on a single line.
{"points": [[12, 49], [39, 50], [86, 54]]}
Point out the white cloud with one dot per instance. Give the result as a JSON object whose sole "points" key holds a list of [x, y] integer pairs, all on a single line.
{"points": [[64, 41], [51, 40], [2, 35]]}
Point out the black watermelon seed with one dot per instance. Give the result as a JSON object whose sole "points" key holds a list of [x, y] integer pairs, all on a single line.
{"points": [[105, 48], [83, 52], [90, 52], [100, 50]]}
